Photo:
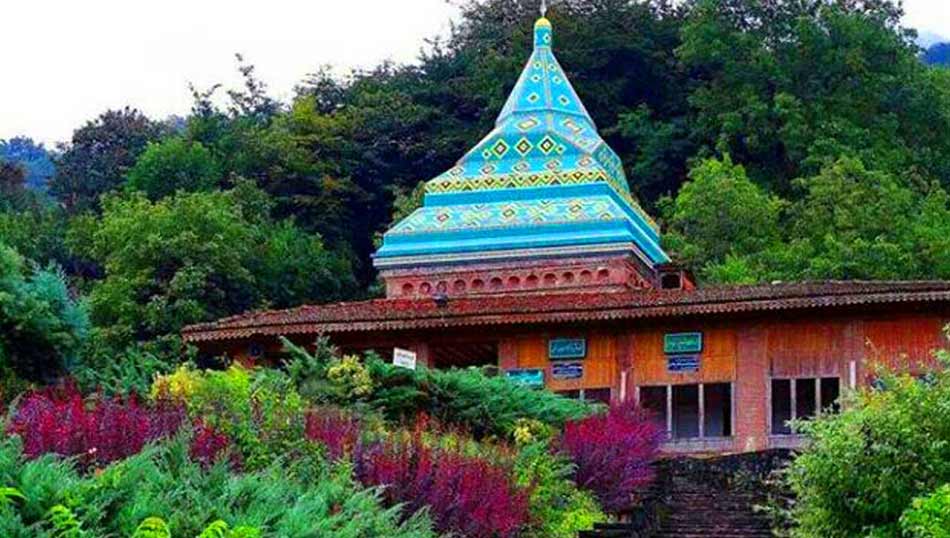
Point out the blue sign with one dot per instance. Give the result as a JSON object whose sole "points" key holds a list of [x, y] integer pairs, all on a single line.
{"points": [[567, 348], [682, 363], [533, 378], [567, 370]]}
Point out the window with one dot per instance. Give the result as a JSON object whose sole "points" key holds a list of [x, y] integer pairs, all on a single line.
{"points": [[691, 411], [830, 392], [781, 406], [805, 399], [685, 411], [600, 395], [802, 399], [717, 419]]}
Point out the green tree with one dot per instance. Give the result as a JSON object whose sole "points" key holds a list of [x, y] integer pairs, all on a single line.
{"points": [[38, 234], [194, 257], [42, 327], [171, 165], [855, 223], [720, 212], [99, 156], [789, 86]]}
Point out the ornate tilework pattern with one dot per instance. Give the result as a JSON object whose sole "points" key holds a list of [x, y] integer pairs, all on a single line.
{"points": [[508, 214]]}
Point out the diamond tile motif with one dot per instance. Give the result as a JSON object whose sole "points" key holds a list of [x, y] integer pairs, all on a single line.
{"points": [[523, 146], [547, 145], [500, 148], [533, 97]]}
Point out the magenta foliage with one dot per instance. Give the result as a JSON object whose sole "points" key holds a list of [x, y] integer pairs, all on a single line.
{"points": [[58, 420], [466, 495], [613, 453], [209, 445], [335, 429]]}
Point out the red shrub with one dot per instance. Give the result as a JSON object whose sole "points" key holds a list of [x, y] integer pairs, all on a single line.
{"points": [[335, 429], [467, 496], [58, 420], [612, 453], [208, 446]]}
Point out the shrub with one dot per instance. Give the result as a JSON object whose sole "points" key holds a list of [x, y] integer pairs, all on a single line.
{"points": [[612, 453], [863, 468], [350, 377], [465, 495], [59, 421], [209, 446], [43, 326], [258, 410], [333, 428], [928, 517], [481, 404], [558, 508]]}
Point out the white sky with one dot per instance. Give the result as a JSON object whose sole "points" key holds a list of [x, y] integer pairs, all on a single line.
{"points": [[65, 61]]}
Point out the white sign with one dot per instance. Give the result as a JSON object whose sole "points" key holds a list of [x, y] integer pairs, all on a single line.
{"points": [[404, 358]]}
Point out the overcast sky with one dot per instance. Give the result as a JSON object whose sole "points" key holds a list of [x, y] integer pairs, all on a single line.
{"points": [[65, 61]]}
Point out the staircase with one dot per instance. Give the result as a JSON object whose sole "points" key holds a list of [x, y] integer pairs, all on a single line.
{"points": [[702, 498], [711, 510]]}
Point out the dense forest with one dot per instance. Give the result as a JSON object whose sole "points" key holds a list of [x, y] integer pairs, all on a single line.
{"points": [[773, 139]]}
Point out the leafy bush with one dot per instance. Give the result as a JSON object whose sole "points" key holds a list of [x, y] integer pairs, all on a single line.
{"points": [[43, 327], [465, 495], [864, 467], [59, 421], [350, 376], [304, 497], [258, 410], [928, 517], [558, 508], [612, 453], [481, 404]]}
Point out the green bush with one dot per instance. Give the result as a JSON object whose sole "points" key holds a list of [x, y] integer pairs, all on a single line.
{"points": [[928, 517], [864, 467], [42, 328], [484, 405], [303, 497], [558, 508], [259, 410]]}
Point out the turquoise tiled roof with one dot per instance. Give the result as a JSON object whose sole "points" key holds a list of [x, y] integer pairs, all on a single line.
{"points": [[543, 177]]}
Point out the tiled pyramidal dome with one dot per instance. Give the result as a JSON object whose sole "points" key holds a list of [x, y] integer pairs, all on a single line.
{"points": [[540, 203]]}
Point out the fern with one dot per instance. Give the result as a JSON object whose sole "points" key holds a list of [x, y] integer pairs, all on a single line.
{"points": [[9, 495], [220, 529], [245, 532], [64, 523], [217, 529], [152, 527]]}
